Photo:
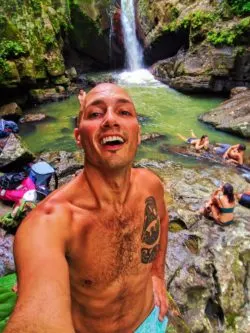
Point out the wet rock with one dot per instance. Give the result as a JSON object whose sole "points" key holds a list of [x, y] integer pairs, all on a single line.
{"points": [[7, 264], [65, 163], [207, 266], [11, 111], [47, 95], [201, 69], [152, 137], [93, 79], [71, 73], [61, 80], [9, 78], [231, 116], [237, 90], [14, 154], [32, 117]]}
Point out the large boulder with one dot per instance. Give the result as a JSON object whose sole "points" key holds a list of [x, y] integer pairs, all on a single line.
{"points": [[203, 69], [207, 42], [39, 96], [207, 267], [233, 115], [33, 117], [66, 164], [10, 111], [14, 154]]}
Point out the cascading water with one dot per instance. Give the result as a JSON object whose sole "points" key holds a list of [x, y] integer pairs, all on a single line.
{"points": [[132, 47], [134, 53]]}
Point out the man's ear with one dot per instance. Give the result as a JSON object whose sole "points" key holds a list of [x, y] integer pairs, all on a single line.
{"points": [[77, 137], [139, 135]]}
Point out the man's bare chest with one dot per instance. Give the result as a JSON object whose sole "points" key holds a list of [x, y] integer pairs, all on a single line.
{"points": [[108, 245]]}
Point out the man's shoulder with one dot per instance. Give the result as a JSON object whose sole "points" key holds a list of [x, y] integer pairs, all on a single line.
{"points": [[147, 176], [54, 209]]}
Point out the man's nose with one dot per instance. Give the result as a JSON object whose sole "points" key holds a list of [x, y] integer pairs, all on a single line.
{"points": [[110, 119]]}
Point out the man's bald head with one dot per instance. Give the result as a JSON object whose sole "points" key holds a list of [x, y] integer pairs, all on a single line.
{"points": [[102, 90]]}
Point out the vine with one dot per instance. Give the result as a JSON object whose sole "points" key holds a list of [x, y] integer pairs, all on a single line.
{"points": [[234, 36]]}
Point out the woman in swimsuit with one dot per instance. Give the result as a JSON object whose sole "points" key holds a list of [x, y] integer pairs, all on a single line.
{"points": [[221, 205], [203, 142]]}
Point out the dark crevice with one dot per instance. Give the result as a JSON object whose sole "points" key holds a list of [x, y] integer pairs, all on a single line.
{"points": [[215, 313], [166, 46], [213, 308]]}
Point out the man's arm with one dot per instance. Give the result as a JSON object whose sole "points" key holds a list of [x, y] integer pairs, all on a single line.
{"points": [[158, 265], [240, 158], [225, 155], [43, 303], [199, 146], [230, 160]]}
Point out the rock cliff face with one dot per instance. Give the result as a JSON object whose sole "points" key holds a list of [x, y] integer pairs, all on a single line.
{"points": [[208, 265], [233, 115], [92, 35], [197, 46], [31, 44], [40, 40], [194, 45]]}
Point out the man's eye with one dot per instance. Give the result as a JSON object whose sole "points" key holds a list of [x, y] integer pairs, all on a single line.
{"points": [[125, 113], [94, 115]]}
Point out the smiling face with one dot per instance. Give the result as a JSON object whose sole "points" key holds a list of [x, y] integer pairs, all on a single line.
{"points": [[108, 129]]}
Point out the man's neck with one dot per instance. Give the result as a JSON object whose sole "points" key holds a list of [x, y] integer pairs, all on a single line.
{"points": [[108, 186]]}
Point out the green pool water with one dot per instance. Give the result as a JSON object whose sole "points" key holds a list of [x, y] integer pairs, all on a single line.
{"points": [[166, 111]]}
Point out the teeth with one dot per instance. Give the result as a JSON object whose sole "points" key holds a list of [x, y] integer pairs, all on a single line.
{"points": [[111, 138]]}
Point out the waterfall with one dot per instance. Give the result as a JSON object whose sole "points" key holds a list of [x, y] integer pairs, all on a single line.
{"points": [[111, 31], [132, 47]]}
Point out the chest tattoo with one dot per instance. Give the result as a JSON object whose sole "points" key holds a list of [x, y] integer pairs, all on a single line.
{"points": [[150, 232]]}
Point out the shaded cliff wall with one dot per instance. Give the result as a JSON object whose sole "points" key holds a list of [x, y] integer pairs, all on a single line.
{"points": [[31, 34], [201, 45], [40, 40]]}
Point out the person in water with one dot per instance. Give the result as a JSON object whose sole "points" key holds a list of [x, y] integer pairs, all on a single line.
{"points": [[231, 154], [221, 205], [202, 143], [91, 256]]}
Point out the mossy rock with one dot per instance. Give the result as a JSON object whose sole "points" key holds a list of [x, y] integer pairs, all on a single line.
{"points": [[61, 80], [55, 63], [176, 322], [26, 68], [9, 75], [11, 110]]}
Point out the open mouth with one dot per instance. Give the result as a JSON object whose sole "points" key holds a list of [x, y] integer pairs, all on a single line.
{"points": [[112, 141]]}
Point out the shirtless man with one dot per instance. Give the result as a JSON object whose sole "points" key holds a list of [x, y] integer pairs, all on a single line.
{"points": [[90, 258], [235, 154]]}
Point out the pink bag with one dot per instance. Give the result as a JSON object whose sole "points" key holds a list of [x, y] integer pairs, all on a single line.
{"points": [[17, 194]]}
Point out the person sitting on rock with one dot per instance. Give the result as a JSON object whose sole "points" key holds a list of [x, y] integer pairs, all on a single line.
{"points": [[232, 154], [221, 205], [202, 143], [244, 198]]}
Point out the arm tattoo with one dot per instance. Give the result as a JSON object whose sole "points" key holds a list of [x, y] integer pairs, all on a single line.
{"points": [[150, 232]]}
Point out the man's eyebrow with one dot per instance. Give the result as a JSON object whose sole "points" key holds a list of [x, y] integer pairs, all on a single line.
{"points": [[100, 101], [123, 100], [96, 102]]}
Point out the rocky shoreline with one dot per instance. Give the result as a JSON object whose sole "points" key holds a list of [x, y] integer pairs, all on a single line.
{"points": [[207, 267]]}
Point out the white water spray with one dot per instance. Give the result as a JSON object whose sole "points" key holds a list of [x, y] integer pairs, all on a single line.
{"points": [[132, 47]]}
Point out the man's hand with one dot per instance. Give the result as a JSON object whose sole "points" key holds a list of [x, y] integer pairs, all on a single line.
{"points": [[225, 155], [160, 296], [231, 161]]}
